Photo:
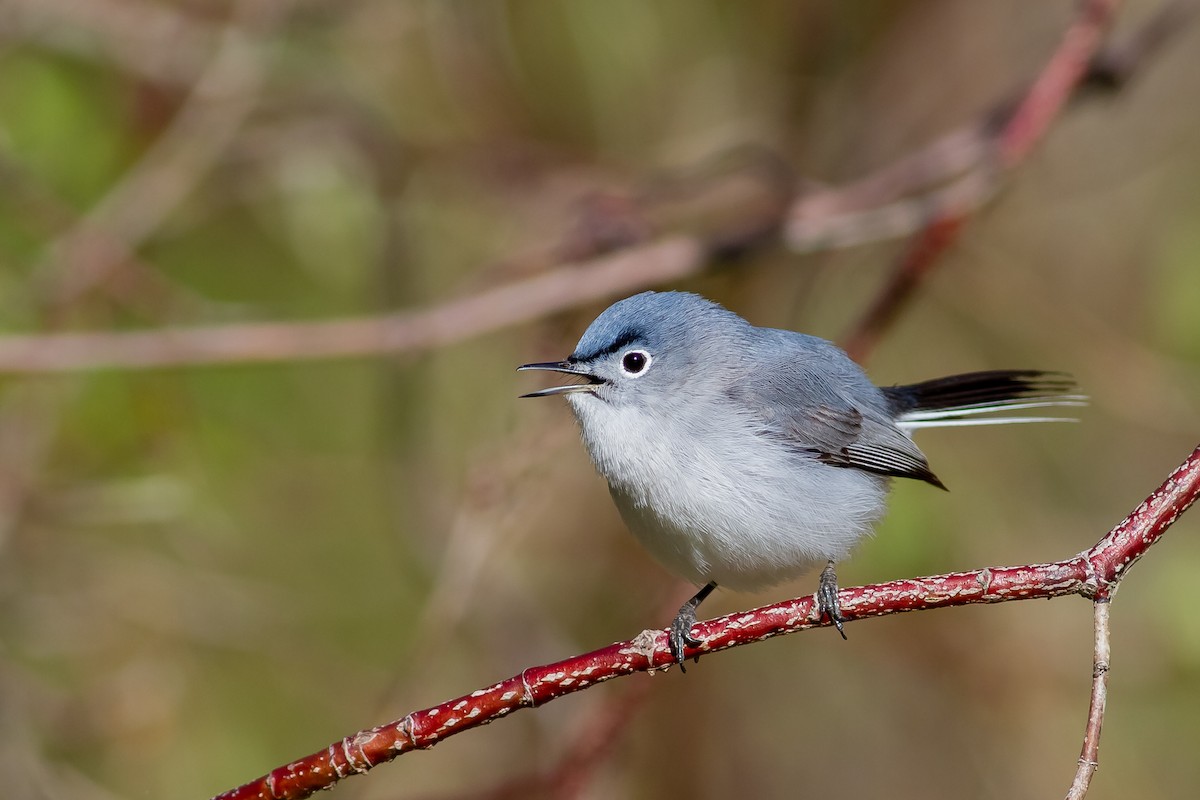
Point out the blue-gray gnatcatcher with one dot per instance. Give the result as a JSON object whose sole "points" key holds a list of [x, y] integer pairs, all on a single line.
{"points": [[743, 456]]}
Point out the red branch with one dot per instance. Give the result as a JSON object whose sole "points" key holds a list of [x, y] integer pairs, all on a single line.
{"points": [[590, 744], [1022, 130], [1093, 573]]}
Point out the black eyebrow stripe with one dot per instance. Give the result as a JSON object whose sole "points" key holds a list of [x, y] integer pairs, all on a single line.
{"points": [[626, 337]]}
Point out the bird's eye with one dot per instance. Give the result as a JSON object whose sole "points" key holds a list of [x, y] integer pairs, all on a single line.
{"points": [[635, 362]]}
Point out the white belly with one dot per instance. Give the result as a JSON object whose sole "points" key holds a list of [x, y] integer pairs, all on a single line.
{"points": [[724, 503]]}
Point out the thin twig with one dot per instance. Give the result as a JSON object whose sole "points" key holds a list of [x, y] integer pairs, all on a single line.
{"points": [[824, 227], [153, 41], [1093, 573], [882, 204], [1115, 65], [217, 106], [1017, 137], [956, 174], [29, 426], [1089, 756]]}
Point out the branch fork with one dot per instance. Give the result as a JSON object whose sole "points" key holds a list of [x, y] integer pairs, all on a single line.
{"points": [[1094, 573]]}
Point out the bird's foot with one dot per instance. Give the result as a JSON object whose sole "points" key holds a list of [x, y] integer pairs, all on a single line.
{"points": [[827, 599], [680, 636]]}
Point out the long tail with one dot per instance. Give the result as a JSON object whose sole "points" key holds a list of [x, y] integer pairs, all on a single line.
{"points": [[969, 399]]}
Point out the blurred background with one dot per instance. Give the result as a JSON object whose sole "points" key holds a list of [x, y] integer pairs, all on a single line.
{"points": [[207, 571]]}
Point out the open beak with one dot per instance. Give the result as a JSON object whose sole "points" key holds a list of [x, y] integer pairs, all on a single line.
{"points": [[567, 368]]}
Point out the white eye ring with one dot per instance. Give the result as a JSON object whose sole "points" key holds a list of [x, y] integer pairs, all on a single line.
{"points": [[636, 362]]}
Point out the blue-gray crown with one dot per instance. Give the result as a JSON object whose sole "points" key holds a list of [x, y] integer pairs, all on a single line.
{"points": [[652, 318]]}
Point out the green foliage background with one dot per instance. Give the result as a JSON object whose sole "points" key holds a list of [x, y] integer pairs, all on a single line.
{"points": [[206, 572]]}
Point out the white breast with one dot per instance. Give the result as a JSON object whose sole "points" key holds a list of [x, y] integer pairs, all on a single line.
{"points": [[715, 500]]}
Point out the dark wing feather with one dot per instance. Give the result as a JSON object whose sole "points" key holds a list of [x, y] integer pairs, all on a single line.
{"points": [[813, 397], [844, 438]]}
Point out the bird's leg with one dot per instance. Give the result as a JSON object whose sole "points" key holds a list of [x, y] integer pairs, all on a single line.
{"points": [[827, 599], [681, 627]]}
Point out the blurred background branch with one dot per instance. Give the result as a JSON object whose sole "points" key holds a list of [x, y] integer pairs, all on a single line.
{"points": [[893, 202], [199, 133]]}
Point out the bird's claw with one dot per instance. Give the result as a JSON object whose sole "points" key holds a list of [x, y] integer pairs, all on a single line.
{"points": [[827, 599], [681, 634]]}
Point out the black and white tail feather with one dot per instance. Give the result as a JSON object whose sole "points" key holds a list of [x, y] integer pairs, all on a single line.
{"points": [[982, 398]]}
